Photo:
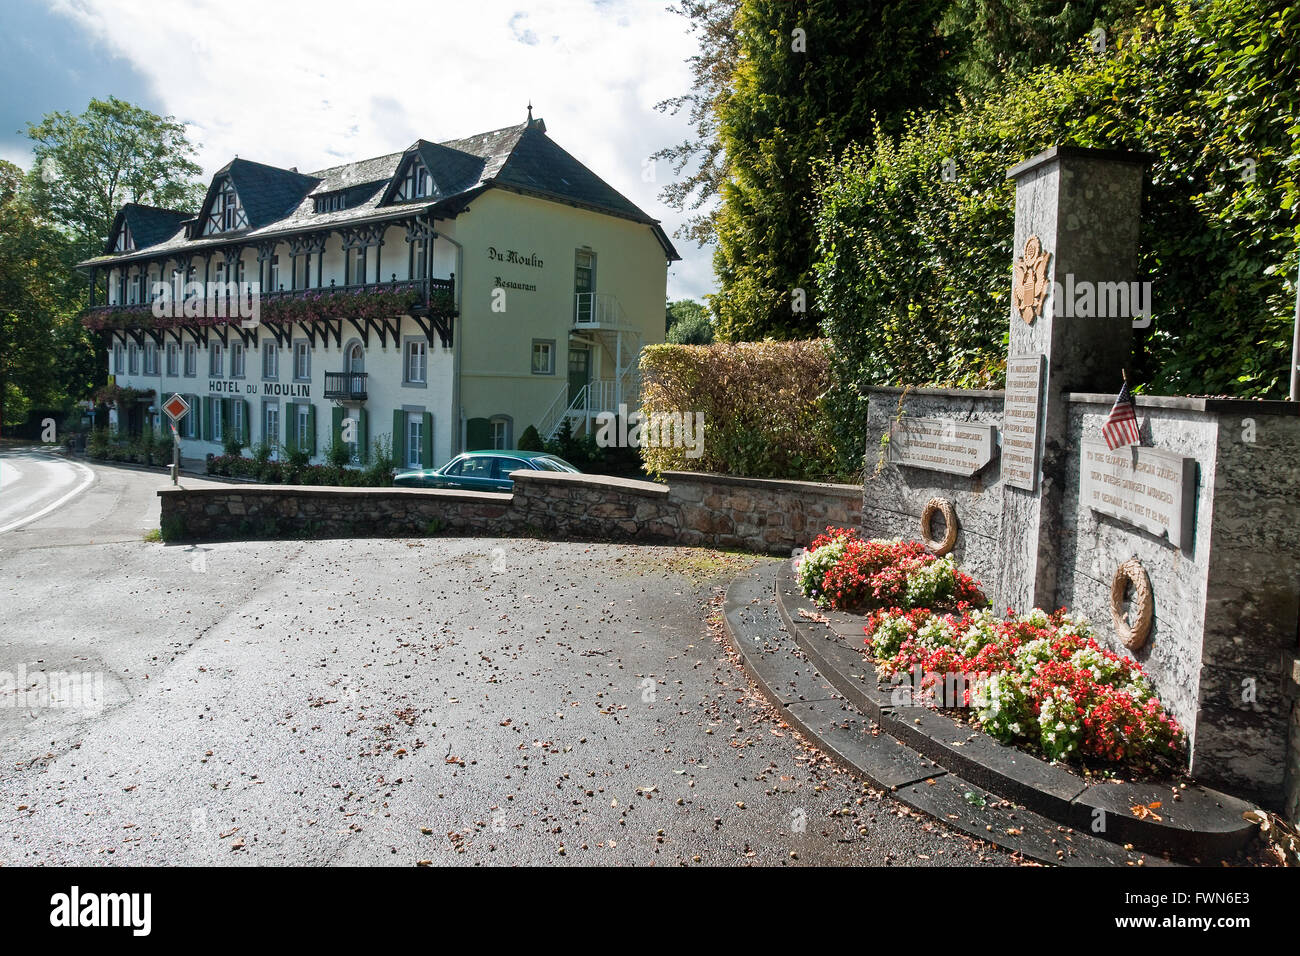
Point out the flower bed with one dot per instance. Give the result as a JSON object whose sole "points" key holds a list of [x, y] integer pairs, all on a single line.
{"points": [[841, 570], [1036, 680]]}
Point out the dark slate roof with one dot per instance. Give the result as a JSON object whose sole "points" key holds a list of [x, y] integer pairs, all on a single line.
{"points": [[149, 225], [537, 164], [267, 193], [521, 158]]}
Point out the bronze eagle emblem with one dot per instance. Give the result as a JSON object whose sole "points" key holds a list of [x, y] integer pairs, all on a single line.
{"points": [[1029, 280]]}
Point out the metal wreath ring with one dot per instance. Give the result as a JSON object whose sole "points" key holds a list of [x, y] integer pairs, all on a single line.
{"points": [[945, 508], [1132, 572]]}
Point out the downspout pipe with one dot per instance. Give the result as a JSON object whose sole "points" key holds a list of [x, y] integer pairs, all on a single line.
{"points": [[458, 442]]}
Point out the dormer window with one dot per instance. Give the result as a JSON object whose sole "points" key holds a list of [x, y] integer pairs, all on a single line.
{"points": [[227, 212], [415, 185], [125, 243], [331, 202]]}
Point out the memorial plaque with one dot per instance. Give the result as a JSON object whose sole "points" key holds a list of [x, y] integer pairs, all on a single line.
{"points": [[1149, 488], [1022, 420], [941, 444]]}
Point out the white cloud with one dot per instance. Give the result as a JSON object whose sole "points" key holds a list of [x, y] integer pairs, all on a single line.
{"points": [[314, 84]]}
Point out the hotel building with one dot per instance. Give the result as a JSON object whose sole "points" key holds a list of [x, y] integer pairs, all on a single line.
{"points": [[451, 294]]}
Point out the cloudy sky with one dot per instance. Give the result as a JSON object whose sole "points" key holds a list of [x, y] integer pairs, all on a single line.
{"points": [[313, 84]]}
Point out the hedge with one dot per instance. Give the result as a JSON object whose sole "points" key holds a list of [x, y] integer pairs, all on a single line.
{"points": [[761, 403], [915, 234]]}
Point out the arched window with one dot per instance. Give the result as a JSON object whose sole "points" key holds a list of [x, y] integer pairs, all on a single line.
{"points": [[356, 358]]}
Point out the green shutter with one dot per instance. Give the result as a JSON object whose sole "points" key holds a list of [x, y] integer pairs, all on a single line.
{"points": [[426, 450], [399, 437], [336, 423], [291, 430], [245, 428], [478, 434], [311, 429], [363, 436], [226, 405], [205, 419]]}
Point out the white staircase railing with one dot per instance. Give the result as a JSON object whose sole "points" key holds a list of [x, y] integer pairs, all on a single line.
{"points": [[598, 309], [548, 425]]}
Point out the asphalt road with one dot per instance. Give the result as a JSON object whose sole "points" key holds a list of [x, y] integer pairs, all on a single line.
{"points": [[451, 700]]}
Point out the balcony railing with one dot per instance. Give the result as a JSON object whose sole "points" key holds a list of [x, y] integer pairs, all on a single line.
{"points": [[346, 386], [598, 310], [427, 296]]}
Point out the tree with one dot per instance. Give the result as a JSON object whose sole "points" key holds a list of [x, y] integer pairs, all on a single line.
{"points": [[683, 309], [994, 38], [811, 77], [711, 72], [33, 292], [87, 167]]}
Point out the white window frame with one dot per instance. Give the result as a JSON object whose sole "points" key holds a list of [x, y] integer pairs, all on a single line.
{"points": [[301, 369], [500, 433], [416, 366], [119, 359], [236, 359], [271, 430], [415, 441], [301, 422], [191, 360], [173, 359], [548, 349], [150, 359], [216, 361], [218, 425], [270, 362]]}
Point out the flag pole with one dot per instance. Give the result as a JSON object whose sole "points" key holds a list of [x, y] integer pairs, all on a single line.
{"points": [[1294, 394]]}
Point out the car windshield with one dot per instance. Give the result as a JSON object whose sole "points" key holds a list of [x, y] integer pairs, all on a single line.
{"points": [[555, 464]]}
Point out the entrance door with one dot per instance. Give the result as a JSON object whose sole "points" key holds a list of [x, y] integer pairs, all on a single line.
{"points": [[579, 370]]}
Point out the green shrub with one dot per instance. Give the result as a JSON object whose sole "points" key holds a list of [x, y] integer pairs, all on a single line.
{"points": [[691, 330], [379, 470], [530, 440], [761, 404], [97, 446], [231, 443], [338, 453]]}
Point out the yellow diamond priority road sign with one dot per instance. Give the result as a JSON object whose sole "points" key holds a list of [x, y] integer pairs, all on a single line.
{"points": [[176, 407]]}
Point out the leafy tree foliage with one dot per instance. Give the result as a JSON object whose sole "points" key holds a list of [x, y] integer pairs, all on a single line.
{"points": [[34, 294], [701, 156], [88, 166], [913, 269], [996, 37], [689, 323], [812, 76]]}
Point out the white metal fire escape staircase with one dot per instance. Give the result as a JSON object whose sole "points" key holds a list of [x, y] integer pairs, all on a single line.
{"points": [[600, 316]]}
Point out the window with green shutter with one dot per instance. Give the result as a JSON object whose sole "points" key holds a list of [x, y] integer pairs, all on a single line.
{"points": [[426, 452]]}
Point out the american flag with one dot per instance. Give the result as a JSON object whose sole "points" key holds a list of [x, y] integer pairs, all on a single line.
{"points": [[1121, 426]]}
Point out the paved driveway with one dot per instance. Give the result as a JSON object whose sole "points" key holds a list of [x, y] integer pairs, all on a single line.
{"points": [[390, 702]]}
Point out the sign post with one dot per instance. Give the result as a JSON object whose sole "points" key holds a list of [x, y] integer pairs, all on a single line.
{"points": [[176, 408]]}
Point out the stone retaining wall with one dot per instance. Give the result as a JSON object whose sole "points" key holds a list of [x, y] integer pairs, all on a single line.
{"points": [[691, 509]]}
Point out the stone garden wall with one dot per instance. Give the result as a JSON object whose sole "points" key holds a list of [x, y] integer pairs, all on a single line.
{"points": [[692, 509]]}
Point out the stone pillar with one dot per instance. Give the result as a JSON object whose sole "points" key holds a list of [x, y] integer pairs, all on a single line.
{"points": [[1076, 235]]}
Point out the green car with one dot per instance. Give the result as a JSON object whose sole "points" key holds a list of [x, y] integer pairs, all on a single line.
{"points": [[483, 470]]}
